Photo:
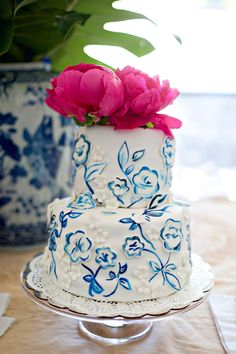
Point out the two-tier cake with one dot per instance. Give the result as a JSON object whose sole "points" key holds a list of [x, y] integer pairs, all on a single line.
{"points": [[120, 236]]}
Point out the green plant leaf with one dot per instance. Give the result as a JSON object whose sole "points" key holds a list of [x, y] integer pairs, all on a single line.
{"points": [[69, 19], [93, 32], [24, 3], [31, 29], [6, 25]]}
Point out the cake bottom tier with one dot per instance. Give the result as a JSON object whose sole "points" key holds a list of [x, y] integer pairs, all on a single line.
{"points": [[118, 255]]}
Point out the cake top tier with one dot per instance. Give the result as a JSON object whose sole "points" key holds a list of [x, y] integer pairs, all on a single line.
{"points": [[122, 168]]}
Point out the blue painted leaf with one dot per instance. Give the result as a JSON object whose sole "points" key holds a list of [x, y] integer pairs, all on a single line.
{"points": [[56, 233], [138, 155], [156, 212], [61, 216], [94, 170], [88, 278], [126, 221], [64, 223], [74, 215], [172, 280], [157, 200], [155, 266], [125, 283], [171, 266], [123, 155], [95, 287], [129, 170], [133, 226], [122, 268], [112, 275]]}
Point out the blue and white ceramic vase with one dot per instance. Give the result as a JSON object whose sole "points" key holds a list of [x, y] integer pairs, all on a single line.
{"points": [[35, 154]]}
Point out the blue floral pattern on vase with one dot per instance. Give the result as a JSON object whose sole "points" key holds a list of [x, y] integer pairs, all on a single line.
{"points": [[81, 150], [146, 182], [133, 247], [33, 145], [78, 246], [105, 257], [83, 202], [171, 235]]}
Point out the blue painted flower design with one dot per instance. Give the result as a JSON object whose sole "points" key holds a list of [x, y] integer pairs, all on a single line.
{"points": [[146, 182], [105, 257], [118, 187], [133, 246], [171, 235], [83, 201], [78, 246], [52, 244], [81, 150], [168, 151]]}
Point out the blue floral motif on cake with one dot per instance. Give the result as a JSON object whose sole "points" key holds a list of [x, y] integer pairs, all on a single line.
{"points": [[52, 244], [144, 244], [171, 235], [133, 246], [168, 151], [189, 243], [115, 277], [118, 187], [105, 257], [81, 157], [146, 182], [78, 246], [52, 224], [83, 202], [55, 228], [81, 150]]}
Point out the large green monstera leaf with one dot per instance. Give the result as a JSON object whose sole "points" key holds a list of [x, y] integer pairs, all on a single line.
{"points": [[93, 32], [32, 29]]}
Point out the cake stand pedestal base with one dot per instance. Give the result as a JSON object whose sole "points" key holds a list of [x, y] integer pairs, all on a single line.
{"points": [[114, 332]]}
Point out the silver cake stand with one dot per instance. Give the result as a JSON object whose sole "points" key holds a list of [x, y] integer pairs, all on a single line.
{"points": [[120, 325]]}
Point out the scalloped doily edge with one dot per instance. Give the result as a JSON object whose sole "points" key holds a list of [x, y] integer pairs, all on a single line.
{"points": [[36, 279]]}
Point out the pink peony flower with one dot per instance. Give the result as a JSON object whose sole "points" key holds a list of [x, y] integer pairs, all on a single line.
{"points": [[86, 88], [145, 96]]}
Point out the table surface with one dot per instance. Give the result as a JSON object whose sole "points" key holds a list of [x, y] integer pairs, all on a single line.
{"points": [[39, 331]]}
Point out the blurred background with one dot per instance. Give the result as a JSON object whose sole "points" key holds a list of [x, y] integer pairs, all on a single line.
{"points": [[203, 69]]}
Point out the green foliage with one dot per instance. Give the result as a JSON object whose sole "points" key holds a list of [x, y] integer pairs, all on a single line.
{"points": [[60, 29]]}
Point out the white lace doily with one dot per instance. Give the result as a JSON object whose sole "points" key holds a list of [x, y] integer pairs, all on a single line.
{"points": [[35, 278]]}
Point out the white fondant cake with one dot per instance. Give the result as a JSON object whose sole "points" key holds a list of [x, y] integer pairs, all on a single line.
{"points": [[120, 237], [123, 168]]}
